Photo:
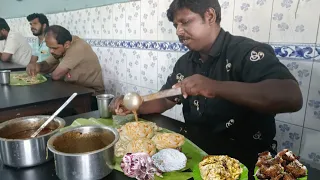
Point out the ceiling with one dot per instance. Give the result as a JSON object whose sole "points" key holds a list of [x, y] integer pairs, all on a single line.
{"points": [[22, 8]]}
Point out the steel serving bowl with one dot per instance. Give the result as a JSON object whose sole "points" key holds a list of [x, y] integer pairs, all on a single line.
{"points": [[16, 151], [84, 152]]}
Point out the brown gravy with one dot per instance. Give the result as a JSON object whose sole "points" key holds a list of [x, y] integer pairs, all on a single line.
{"points": [[77, 142], [27, 133], [135, 115]]}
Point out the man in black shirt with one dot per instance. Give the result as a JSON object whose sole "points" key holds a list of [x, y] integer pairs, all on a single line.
{"points": [[232, 86]]}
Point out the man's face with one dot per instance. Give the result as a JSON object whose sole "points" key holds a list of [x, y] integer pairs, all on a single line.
{"points": [[57, 50], [36, 27], [193, 31], [2, 36]]}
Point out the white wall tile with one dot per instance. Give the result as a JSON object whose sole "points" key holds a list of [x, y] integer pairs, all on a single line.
{"points": [[227, 10], [294, 21], [108, 63], [133, 66], [121, 88], [166, 30], [313, 104], [133, 11], [149, 68], [166, 62], [110, 86], [302, 72], [133, 88], [252, 19], [106, 22], [94, 15], [120, 64], [288, 136], [119, 20], [318, 38], [81, 23], [310, 148], [149, 19], [146, 91]]}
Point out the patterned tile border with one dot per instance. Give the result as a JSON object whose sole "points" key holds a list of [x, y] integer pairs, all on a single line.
{"points": [[288, 51]]}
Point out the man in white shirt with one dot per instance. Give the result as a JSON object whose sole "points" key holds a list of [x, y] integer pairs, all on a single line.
{"points": [[15, 47]]}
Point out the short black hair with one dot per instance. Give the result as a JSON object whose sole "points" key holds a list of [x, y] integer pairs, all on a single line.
{"points": [[196, 6], [4, 24], [61, 34], [42, 18]]}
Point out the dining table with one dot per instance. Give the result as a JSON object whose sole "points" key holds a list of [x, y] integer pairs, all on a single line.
{"points": [[11, 66], [47, 171], [44, 98]]}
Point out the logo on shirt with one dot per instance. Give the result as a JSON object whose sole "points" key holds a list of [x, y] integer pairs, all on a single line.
{"points": [[228, 66], [257, 136], [230, 123], [179, 77], [256, 56]]}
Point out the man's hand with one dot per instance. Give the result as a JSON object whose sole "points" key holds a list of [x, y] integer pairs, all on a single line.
{"points": [[116, 106], [197, 85], [33, 69]]}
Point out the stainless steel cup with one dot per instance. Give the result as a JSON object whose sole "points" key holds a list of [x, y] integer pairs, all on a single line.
{"points": [[103, 101], [5, 77]]}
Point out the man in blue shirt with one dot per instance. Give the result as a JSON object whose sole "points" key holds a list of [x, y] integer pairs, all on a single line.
{"points": [[38, 24]]}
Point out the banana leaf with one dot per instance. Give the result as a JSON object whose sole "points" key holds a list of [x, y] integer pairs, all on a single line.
{"points": [[20, 82], [193, 153], [257, 168]]}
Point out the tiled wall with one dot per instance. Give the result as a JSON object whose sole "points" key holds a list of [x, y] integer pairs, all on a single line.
{"points": [[137, 48]]}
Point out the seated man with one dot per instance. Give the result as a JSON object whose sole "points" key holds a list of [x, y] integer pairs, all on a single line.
{"points": [[72, 59], [38, 24], [15, 47]]}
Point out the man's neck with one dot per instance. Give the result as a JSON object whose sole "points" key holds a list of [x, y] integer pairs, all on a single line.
{"points": [[41, 38]]}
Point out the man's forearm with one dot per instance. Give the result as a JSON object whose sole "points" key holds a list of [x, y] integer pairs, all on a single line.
{"points": [[156, 106], [46, 68], [34, 59], [269, 96]]}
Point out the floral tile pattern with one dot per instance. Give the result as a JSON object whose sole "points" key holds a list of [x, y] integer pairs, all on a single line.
{"points": [[294, 21], [288, 136], [310, 148], [246, 22]]}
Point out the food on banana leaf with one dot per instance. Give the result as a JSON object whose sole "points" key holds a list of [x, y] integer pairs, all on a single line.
{"points": [[285, 165], [168, 160], [168, 140], [139, 166], [142, 145], [135, 130], [220, 168]]}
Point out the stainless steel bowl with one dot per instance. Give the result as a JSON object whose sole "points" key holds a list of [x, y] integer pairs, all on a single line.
{"points": [[84, 152], [26, 152]]}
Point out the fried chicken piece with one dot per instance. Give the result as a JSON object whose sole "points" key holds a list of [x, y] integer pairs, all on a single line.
{"points": [[296, 169], [288, 176], [279, 177], [287, 155], [263, 157], [272, 171], [261, 176]]}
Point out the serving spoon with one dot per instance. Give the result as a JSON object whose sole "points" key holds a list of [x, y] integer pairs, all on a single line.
{"points": [[54, 115], [132, 101]]}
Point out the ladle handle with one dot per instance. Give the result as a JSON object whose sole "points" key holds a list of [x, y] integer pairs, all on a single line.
{"points": [[162, 94], [54, 115]]}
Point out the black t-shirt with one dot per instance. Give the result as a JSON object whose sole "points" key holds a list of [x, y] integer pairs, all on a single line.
{"points": [[231, 58]]}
